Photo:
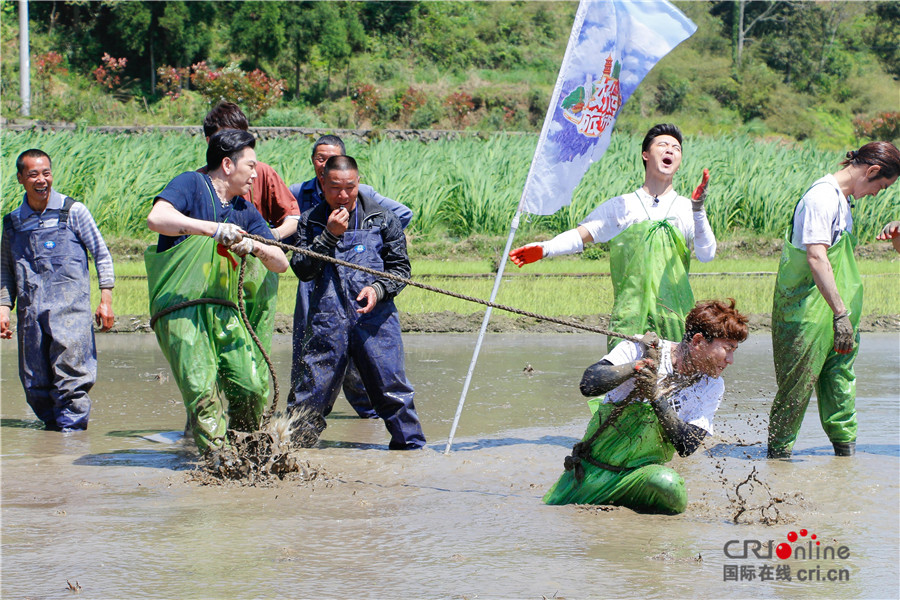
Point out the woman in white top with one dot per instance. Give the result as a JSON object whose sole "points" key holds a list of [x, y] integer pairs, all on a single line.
{"points": [[818, 301], [651, 231]]}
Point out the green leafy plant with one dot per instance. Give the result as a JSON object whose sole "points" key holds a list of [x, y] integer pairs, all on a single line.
{"points": [[255, 90]]}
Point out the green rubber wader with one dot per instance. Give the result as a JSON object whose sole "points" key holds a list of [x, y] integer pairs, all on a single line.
{"points": [[649, 264], [260, 298], [803, 346], [208, 346], [635, 441]]}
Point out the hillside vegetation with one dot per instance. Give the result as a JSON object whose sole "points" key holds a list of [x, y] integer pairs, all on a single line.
{"points": [[797, 70]]}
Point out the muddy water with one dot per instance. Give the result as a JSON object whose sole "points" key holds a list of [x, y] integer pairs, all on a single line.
{"points": [[115, 511]]}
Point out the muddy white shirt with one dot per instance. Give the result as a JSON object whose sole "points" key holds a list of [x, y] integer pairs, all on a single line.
{"points": [[618, 214], [695, 404], [822, 215]]}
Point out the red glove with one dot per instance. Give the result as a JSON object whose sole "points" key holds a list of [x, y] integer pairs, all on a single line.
{"points": [[699, 194], [890, 231], [223, 251], [527, 254]]}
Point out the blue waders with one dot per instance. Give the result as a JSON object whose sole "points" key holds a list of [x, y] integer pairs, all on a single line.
{"points": [[353, 387], [57, 353], [336, 333]]}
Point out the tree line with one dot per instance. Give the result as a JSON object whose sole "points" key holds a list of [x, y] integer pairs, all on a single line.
{"points": [[834, 58]]}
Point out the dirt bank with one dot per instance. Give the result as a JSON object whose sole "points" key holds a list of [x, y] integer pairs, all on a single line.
{"points": [[450, 322]]}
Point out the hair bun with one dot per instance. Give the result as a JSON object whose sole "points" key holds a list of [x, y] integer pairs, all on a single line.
{"points": [[852, 154]]}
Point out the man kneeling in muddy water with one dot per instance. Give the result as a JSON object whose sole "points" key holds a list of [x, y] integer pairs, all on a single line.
{"points": [[661, 397]]}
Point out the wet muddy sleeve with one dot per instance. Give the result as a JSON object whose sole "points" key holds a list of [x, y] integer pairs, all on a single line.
{"points": [[604, 376], [685, 437]]}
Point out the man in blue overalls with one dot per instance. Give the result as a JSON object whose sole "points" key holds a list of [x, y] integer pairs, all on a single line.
{"points": [[45, 276], [309, 194], [352, 314]]}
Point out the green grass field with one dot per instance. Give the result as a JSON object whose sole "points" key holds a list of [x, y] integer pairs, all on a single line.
{"points": [[553, 293], [457, 188]]}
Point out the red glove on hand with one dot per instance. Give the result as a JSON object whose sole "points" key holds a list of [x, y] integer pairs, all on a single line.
{"points": [[527, 254], [699, 194]]}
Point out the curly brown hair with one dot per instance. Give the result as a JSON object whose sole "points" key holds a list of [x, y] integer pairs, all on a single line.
{"points": [[716, 319]]}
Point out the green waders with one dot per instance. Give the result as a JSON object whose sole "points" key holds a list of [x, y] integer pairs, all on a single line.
{"points": [[207, 345], [803, 347], [636, 444], [649, 263]]}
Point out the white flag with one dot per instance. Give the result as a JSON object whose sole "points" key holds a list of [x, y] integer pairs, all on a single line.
{"points": [[613, 45]]}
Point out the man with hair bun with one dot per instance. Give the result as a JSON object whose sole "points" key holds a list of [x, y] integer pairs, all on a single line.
{"points": [[635, 429], [268, 193], [650, 232], [818, 302]]}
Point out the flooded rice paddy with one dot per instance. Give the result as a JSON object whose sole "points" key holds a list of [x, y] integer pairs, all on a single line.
{"points": [[119, 513]]}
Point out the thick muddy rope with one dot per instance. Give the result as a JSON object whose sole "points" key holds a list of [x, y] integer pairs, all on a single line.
{"points": [[243, 309], [286, 247], [438, 290]]}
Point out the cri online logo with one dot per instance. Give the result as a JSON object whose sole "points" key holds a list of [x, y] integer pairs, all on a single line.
{"points": [[808, 549]]}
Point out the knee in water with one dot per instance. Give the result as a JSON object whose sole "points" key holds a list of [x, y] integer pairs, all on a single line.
{"points": [[667, 488]]}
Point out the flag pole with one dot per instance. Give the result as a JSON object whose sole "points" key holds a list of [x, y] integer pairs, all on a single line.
{"points": [[484, 323], [579, 18], [651, 30]]}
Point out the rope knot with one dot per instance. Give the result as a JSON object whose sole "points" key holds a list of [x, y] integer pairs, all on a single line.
{"points": [[573, 463]]}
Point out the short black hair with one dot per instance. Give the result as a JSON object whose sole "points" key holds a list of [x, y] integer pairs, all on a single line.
{"points": [[340, 163], [329, 140], [32, 153], [225, 115], [658, 130], [227, 143]]}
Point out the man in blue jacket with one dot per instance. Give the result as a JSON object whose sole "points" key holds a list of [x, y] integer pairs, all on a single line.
{"points": [[352, 314], [308, 195]]}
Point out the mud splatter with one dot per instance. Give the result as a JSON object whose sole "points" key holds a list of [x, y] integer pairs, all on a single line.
{"points": [[261, 458], [754, 502], [596, 509]]}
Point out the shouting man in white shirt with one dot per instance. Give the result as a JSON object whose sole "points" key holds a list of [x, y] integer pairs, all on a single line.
{"points": [[650, 232]]}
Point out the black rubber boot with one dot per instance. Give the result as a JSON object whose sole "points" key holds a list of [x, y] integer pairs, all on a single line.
{"points": [[306, 433], [844, 448], [774, 453]]}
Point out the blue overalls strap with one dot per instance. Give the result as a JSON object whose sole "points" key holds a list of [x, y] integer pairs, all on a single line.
{"points": [[64, 212]]}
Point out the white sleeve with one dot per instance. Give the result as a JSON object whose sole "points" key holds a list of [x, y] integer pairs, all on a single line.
{"points": [[815, 216], [607, 220], [568, 242], [700, 402], [704, 238]]}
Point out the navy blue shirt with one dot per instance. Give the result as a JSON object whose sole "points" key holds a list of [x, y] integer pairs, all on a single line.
{"points": [[192, 195]]}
